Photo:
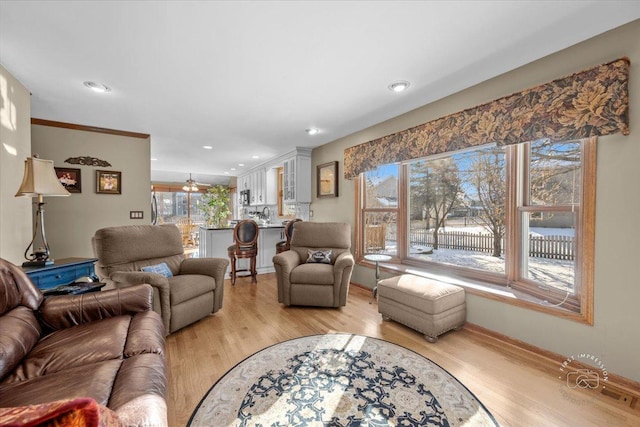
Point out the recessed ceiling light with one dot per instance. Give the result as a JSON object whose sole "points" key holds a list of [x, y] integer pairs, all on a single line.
{"points": [[233, 169], [226, 173], [399, 86], [255, 157], [207, 147], [240, 164], [312, 131], [97, 87], [153, 159]]}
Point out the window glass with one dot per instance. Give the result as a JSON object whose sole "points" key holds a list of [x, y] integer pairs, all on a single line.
{"points": [[380, 233], [509, 216], [554, 172], [457, 209], [549, 249], [173, 206], [381, 187]]}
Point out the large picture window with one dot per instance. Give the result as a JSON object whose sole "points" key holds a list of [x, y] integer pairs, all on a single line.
{"points": [[518, 217]]}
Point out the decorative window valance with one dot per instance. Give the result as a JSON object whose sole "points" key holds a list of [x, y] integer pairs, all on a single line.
{"points": [[593, 102]]}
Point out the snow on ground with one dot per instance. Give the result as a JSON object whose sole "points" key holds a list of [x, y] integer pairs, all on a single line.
{"points": [[533, 231], [551, 272]]}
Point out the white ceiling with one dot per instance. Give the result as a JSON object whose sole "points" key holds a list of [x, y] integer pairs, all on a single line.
{"points": [[248, 77]]}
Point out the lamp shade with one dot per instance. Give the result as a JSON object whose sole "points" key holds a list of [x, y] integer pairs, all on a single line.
{"points": [[40, 179]]}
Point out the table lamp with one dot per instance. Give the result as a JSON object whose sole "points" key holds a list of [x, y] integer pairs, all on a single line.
{"points": [[39, 180]]}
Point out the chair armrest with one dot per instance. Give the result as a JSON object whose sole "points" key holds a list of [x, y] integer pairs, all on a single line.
{"points": [[288, 260], [214, 267], [65, 311], [344, 260], [128, 278]]}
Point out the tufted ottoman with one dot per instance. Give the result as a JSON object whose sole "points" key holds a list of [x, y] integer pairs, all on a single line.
{"points": [[426, 305]]}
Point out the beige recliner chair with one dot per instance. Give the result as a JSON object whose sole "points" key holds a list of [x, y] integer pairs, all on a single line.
{"points": [[195, 289], [315, 283]]}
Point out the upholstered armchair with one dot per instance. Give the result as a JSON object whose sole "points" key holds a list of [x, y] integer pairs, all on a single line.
{"points": [[324, 283], [195, 287]]}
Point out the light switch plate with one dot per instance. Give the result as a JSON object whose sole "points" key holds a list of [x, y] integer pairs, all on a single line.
{"points": [[136, 214]]}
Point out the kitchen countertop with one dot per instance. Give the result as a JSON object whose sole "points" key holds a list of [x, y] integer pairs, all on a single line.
{"points": [[231, 228]]}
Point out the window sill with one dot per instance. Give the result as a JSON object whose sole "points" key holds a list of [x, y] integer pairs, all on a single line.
{"points": [[483, 289]]}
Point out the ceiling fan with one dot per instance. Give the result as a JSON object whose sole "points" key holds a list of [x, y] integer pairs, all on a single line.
{"points": [[192, 186]]}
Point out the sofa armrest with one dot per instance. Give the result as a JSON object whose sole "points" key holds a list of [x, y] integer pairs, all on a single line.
{"points": [[65, 311]]}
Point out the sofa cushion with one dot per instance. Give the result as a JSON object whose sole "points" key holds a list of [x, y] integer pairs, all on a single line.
{"points": [[187, 286], [138, 376], [20, 332], [78, 346], [313, 274], [91, 380]]}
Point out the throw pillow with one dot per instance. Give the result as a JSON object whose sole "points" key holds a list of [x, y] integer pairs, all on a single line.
{"points": [[319, 257], [162, 269]]}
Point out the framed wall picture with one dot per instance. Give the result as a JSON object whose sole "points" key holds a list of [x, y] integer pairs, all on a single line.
{"points": [[108, 182], [70, 179], [327, 180]]}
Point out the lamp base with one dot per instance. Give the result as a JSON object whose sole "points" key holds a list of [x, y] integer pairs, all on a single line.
{"points": [[37, 263]]}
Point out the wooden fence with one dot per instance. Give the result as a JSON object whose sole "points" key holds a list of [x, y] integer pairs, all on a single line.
{"points": [[551, 247]]}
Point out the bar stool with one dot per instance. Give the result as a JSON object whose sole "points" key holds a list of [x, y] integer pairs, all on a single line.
{"points": [[245, 236], [288, 232]]}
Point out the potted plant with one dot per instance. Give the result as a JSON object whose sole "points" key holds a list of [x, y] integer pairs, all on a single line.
{"points": [[215, 205]]}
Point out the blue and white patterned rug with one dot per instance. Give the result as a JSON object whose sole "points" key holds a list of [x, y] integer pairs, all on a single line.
{"points": [[339, 380]]}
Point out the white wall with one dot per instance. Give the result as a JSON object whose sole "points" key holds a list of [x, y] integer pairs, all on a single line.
{"points": [[72, 221], [615, 335], [15, 147]]}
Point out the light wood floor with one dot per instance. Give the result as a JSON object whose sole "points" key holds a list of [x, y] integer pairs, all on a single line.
{"points": [[514, 385]]}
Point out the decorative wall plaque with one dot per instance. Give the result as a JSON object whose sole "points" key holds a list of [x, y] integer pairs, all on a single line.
{"points": [[88, 161]]}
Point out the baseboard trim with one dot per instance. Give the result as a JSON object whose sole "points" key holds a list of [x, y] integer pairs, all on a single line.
{"points": [[619, 388]]}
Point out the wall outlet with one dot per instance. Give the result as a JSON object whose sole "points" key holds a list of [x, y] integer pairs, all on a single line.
{"points": [[136, 214]]}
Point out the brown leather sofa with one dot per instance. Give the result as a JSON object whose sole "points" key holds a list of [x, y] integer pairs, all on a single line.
{"points": [[108, 346], [301, 282]]}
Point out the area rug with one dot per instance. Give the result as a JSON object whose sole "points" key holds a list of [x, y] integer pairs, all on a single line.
{"points": [[339, 380]]}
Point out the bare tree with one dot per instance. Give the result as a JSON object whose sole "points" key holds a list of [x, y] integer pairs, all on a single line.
{"points": [[435, 187], [554, 172], [489, 179]]}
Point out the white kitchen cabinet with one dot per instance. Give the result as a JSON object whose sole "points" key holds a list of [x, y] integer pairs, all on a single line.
{"points": [[297, 179], [260, 179], [255, 182], [271, 186]]}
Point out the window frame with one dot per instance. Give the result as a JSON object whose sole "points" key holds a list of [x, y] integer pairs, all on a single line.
{"points": [[511, 288]]}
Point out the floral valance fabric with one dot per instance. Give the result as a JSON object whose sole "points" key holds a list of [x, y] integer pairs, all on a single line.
{"points": [[593, 102]]}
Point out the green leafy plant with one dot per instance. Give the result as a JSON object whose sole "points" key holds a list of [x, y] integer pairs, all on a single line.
{"points": [[215, 205]]}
